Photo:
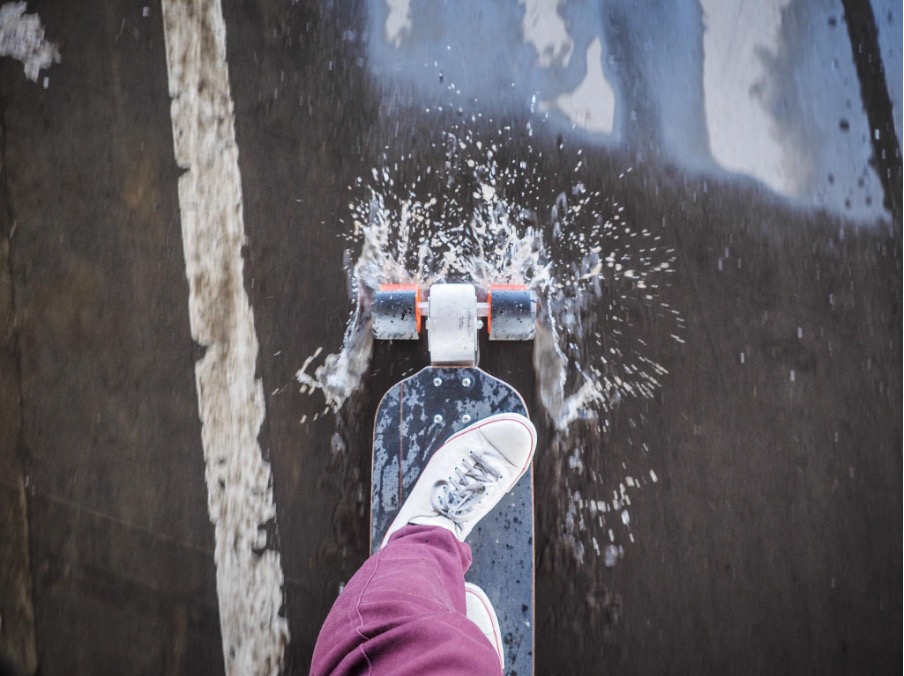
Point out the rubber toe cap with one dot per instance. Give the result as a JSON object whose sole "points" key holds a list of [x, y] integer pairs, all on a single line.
{"points": [[514, 438]]}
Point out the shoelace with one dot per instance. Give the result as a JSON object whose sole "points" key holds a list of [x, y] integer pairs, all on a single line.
{"points": [[456, 497]]}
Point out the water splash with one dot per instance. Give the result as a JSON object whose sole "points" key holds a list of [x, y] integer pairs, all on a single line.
{"points": [[479, 219]]}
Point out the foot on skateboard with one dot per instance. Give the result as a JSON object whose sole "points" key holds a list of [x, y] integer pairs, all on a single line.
{"points": [[469, 474]]}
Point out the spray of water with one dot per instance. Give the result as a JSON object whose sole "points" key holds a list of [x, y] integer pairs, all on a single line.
{"points": [[481, 220]]}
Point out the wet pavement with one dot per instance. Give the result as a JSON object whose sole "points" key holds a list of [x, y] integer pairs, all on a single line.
{"points": [[726, 495]]}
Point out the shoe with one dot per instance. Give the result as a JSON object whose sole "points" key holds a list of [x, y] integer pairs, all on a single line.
{"points": [[482, 613], [469, 474]]}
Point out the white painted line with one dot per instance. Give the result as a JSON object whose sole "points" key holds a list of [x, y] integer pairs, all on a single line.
{"points": [[230, 397]]}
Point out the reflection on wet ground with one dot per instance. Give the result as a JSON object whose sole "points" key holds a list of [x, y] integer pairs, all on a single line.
{"points": [[765, 91]]}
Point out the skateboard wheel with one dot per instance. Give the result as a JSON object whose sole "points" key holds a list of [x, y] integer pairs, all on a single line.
{"points": [[395, 312], [513, 312]]}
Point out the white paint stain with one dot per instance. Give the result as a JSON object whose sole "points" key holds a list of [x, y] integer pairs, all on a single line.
{"points": [[591, 105], [738, 42], [230, 396], [398, 21], [545, 29], [22, 38]]}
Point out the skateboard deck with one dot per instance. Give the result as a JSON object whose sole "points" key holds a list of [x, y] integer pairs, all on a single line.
{"points": [[414, 418]]}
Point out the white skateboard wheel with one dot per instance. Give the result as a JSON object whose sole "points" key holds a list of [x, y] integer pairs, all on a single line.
{"points": [[512, 314], [395, 314]]}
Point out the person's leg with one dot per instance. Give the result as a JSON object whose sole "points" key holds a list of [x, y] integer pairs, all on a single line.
{"points": [[404, 612]]}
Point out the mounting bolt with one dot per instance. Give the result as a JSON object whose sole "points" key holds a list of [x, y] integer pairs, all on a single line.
{"points": [[466, 382], [437, 381], [466, 418], [437, 418]]}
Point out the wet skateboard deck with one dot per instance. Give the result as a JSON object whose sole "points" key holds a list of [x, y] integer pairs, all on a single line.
{"points": [[414, 418]]}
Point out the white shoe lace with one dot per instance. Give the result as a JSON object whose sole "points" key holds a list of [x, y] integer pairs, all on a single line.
{"points": [[456, 498]]}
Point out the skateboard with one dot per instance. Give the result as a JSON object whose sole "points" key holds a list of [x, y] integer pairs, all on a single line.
{"points": [[419, 413]]}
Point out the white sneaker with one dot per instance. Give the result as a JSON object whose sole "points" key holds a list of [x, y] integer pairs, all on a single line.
{"points": [[469, 474], [482, 613]]}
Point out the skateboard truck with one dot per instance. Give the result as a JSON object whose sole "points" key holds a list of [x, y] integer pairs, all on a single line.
{"points": [[454, 316]]}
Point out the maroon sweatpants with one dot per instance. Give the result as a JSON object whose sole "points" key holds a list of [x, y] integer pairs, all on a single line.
{"points": [[403, 612]]}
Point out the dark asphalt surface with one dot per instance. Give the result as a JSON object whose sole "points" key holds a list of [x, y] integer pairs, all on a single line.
{"points": [[771, 542]]}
